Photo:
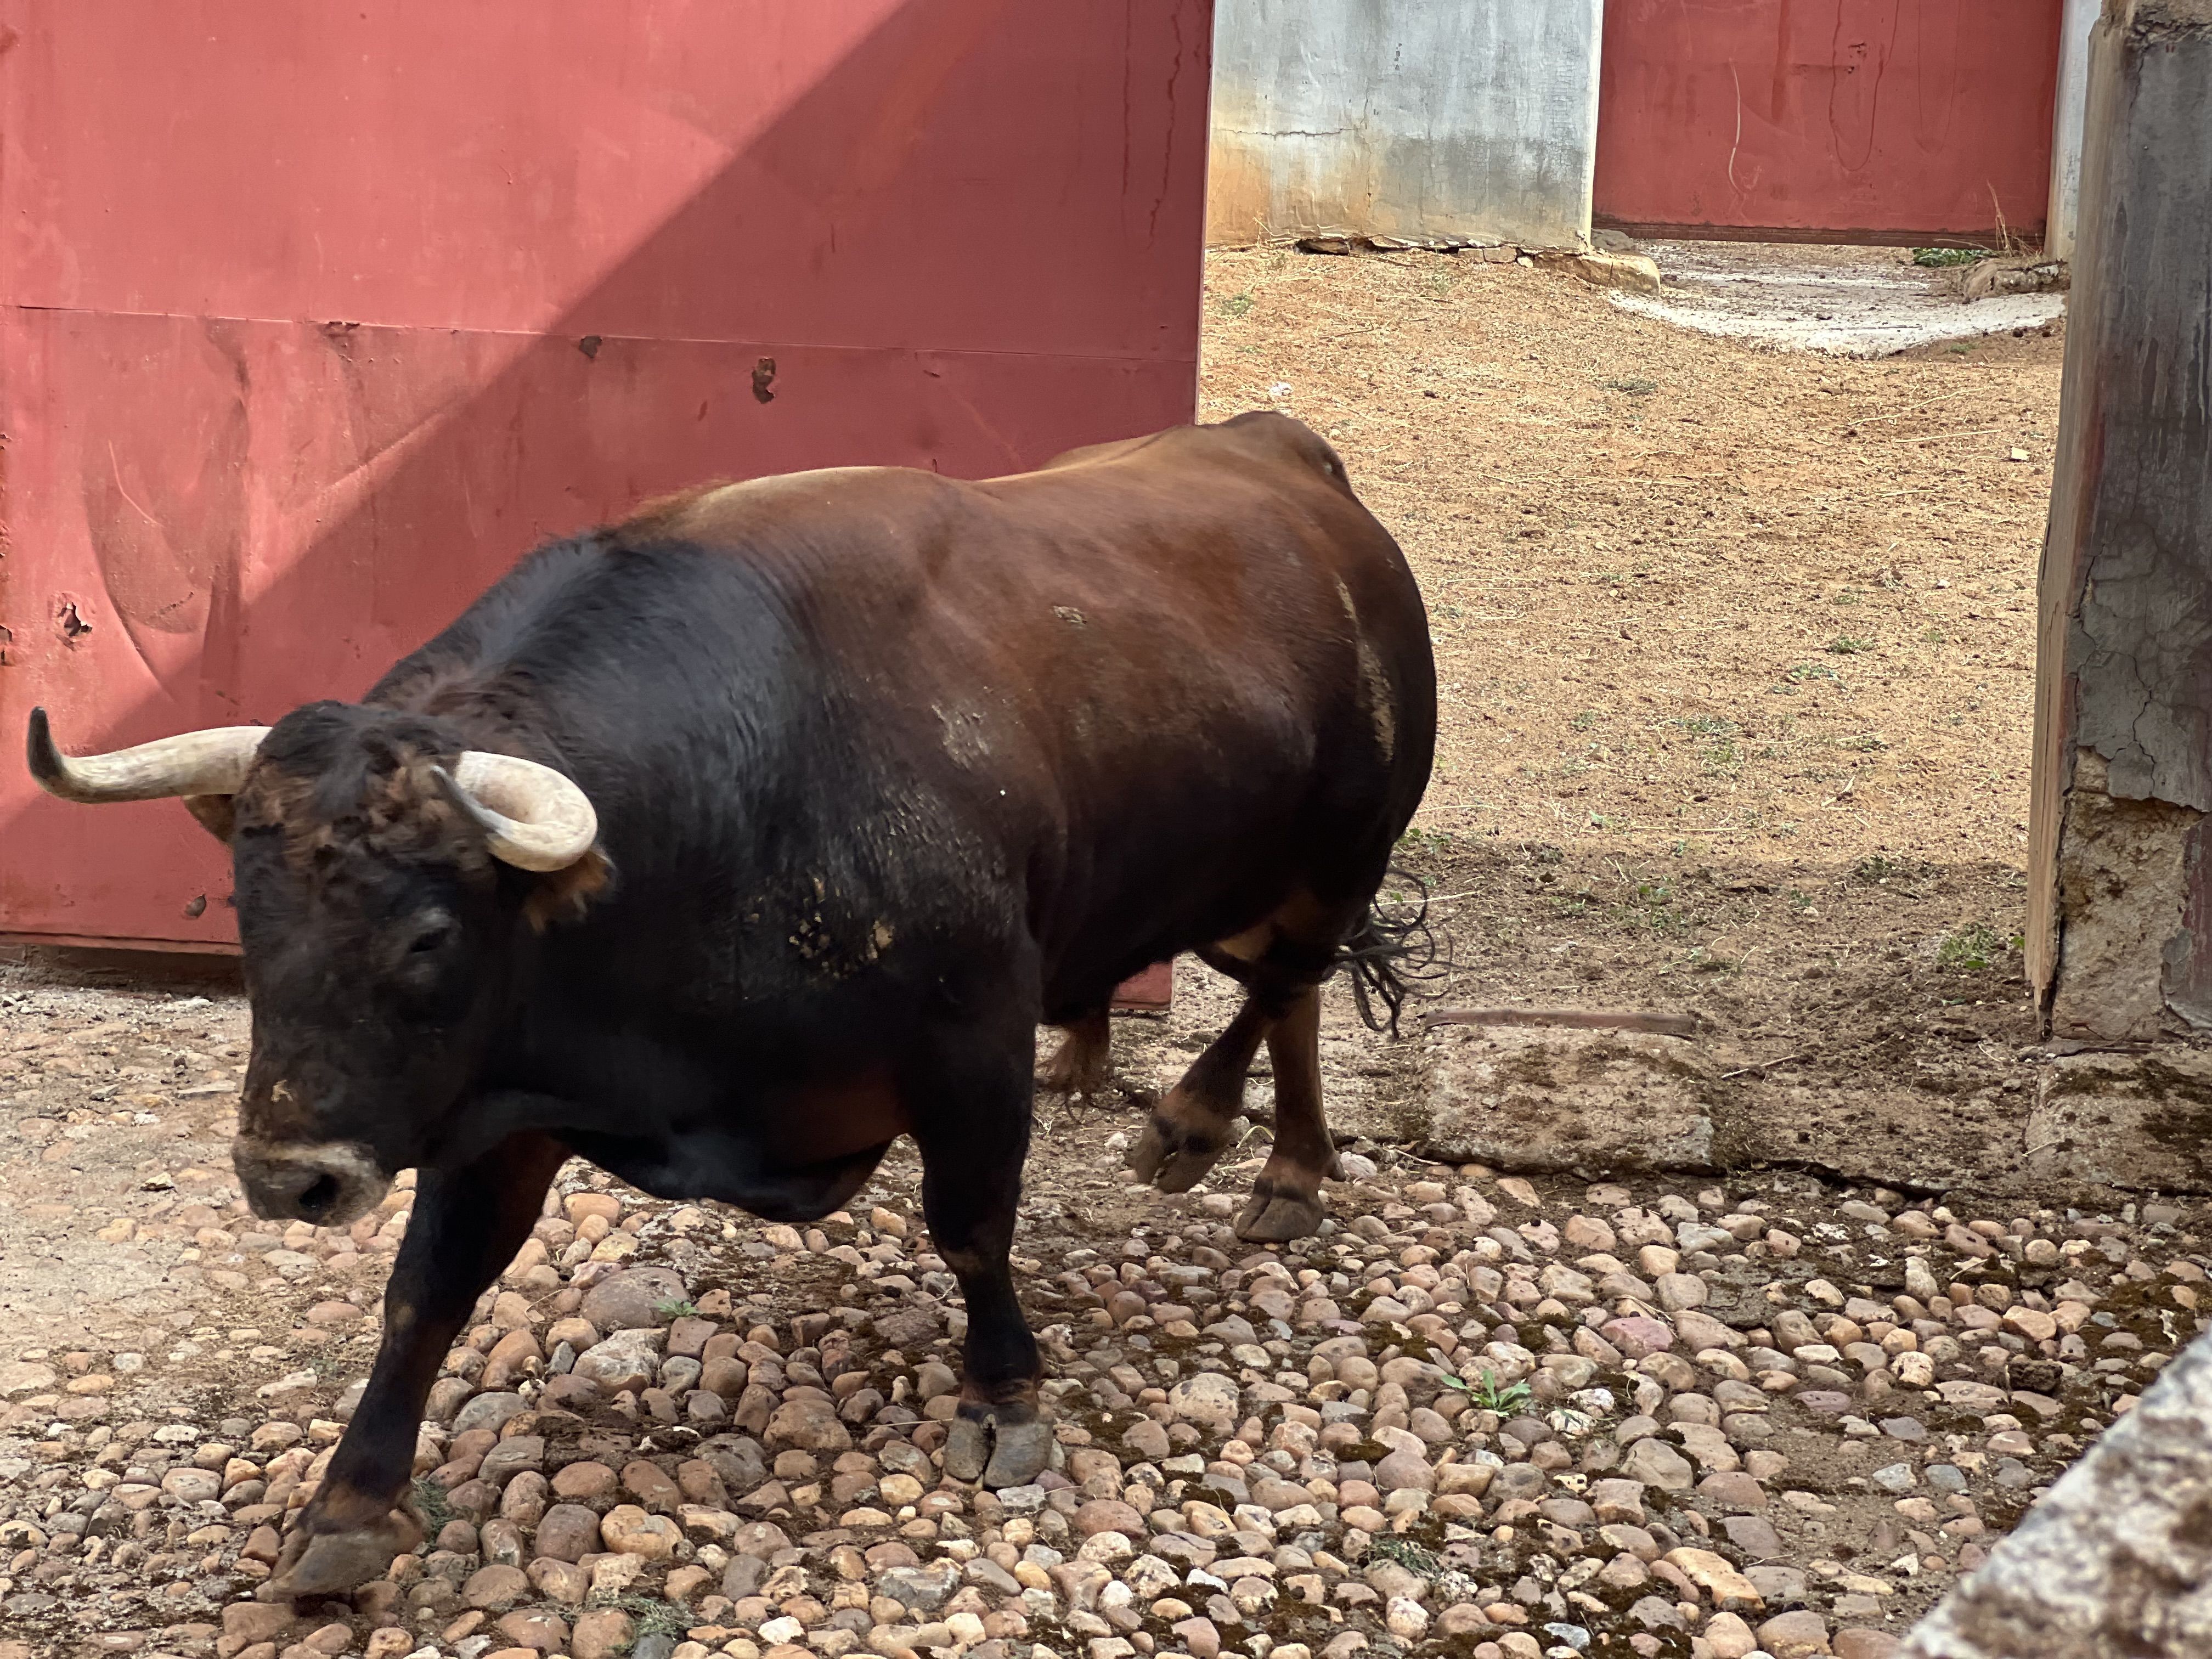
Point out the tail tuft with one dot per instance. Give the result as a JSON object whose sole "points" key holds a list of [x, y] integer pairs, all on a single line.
{"points": [[1394, 953]]}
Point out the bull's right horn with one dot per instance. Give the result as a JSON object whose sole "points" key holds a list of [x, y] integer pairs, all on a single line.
{"points": [[533, 817], [209, 762]]}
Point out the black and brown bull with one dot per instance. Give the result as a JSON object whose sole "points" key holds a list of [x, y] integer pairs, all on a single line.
{"points": [[724, 845]]}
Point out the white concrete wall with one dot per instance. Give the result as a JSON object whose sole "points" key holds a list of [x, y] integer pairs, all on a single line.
{"points": [[2067, 124], [1435, 121]]}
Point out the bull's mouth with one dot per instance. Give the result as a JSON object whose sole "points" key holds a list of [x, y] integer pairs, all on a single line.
{"points": [[332, 1183]]}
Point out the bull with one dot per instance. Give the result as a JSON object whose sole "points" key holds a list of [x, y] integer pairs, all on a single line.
{"points": [[724, 845]]}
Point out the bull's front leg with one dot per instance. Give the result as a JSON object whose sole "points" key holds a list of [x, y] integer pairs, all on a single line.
{"points": [[467, 1224], [970, 1112]]}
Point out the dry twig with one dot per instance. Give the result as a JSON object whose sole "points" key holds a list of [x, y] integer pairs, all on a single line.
{"points": [[1586, 1019]]}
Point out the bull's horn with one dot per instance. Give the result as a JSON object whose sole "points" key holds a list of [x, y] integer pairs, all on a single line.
{"points": [[535, 818], [209, 762]]}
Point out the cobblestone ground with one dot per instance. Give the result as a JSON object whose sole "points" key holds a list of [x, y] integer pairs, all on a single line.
{"points": [[1479, 1415]]}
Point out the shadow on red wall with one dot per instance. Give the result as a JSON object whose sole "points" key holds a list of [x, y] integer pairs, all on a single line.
{"points": [[969, 239]]}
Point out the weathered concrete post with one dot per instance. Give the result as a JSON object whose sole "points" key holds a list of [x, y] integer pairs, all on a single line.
{"points": [[2120, 939]]}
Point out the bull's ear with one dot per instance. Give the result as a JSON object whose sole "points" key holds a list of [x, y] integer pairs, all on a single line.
{"points": [[217, 813], [563, 895]]}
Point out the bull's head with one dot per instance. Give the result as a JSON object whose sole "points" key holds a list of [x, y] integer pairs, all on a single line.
{"points": [[386, 876]]}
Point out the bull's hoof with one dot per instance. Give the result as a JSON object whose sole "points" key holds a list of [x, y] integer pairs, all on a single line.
{"points": [[997, 1452], [967, 1448], [1173, 1158], [1276, 1215], [1020, 1455], [317, 1561]]}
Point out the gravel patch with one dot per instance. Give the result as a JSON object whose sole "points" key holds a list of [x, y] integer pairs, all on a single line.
{"points": [[1483, 1415]]}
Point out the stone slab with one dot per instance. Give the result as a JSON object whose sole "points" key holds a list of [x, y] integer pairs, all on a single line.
{"points": [[2138, 1121], [1536, 1097]]}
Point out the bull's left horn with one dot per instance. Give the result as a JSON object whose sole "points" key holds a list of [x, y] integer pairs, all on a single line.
{"points": [[535, 818], [209, 762]]}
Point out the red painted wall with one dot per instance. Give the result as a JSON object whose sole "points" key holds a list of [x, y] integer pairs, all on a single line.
{"points": [[312, 318], [1875, 121]]}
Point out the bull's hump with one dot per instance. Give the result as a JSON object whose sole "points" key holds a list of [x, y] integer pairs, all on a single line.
{"points": [[730, 508]]}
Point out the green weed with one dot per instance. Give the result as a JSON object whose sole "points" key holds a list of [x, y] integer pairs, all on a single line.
{"points": [[1489, 1396], [1798, 674], [1652, 910], [649, 1616], [1972, 949], [431, 1503]]}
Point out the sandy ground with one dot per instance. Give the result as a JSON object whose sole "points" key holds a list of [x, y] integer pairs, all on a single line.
{"points": [[1690, 597]]}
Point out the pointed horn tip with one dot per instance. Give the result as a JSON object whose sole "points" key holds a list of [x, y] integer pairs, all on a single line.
{"points": [[47, 765], [456, 797]]}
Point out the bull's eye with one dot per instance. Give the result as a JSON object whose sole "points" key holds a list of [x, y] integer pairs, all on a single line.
{"points": [[433, 937]]}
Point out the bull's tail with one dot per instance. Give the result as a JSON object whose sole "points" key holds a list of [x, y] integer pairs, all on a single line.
{"points": [[1394, 954]]}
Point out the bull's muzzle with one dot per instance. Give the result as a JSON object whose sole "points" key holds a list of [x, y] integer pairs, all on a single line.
{"points": [[327, 1183]]}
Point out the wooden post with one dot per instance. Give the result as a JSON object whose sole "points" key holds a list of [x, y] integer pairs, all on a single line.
{"points": [[2119, 937]]}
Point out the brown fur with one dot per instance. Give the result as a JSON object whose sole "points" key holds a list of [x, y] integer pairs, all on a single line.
{"points": [[400, 814], [565, 895]]}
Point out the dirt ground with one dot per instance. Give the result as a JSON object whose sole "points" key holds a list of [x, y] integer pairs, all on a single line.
{"points": [[1736, 654], [1691, 598]]}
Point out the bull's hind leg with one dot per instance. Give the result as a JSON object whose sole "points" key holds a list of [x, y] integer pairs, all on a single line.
{"points": [[1281, 964], [1189, 1130], [1286, 1198], [1080, 1065]]}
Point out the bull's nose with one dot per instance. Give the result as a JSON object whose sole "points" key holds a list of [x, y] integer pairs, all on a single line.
{"points": [[328, 1183]]}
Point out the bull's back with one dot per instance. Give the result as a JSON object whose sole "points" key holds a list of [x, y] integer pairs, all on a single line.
{"points": [[1155, 662], [1132, 690]]}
